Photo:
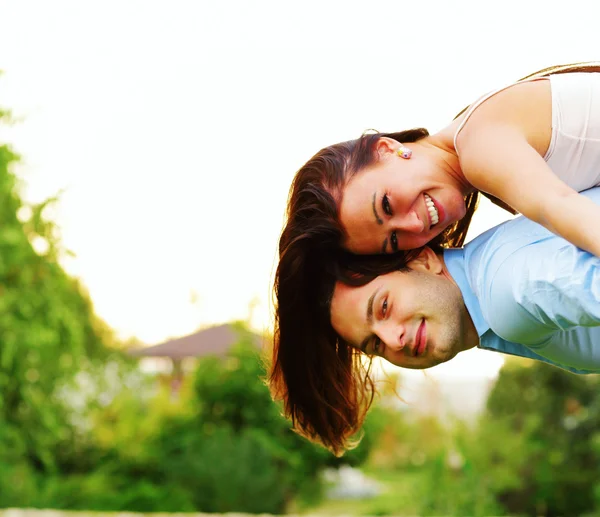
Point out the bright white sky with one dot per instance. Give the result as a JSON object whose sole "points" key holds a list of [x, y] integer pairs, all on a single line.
{"points": [[175, 127]]}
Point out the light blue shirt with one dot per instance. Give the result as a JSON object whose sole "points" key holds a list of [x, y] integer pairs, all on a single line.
{"points": [[532, 294]]}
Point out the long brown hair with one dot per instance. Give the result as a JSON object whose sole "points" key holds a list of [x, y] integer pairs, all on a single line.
{"points": [[325, 386]]}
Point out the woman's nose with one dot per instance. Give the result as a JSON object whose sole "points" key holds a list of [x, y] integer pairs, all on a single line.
{"points": [[411, 223]]}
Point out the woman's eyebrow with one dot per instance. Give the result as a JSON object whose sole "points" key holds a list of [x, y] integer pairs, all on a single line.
{"points": [[378, 219]]}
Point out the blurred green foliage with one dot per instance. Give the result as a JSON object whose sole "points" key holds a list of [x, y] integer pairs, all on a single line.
{"points": [[556, 419], [234, 452], [48, 336], [535, 451]]}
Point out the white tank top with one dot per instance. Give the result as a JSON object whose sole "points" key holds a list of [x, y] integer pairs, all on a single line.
{"points": [[574, 150]]}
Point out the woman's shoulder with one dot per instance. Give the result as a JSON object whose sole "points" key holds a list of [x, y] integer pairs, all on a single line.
{"points": [[525, 106]]}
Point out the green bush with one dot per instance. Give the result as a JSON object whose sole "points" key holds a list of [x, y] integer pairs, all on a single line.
{"points": [[234, 451], [226, 471], [557, 416]]}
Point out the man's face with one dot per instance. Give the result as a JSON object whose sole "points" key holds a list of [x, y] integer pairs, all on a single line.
{"points": [[413, 319]]}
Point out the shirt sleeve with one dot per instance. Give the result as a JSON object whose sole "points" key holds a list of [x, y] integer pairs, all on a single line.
{"points": [[537, 292]]}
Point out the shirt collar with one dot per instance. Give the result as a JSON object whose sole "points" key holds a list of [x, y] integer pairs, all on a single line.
{"points": [[457, 265]]}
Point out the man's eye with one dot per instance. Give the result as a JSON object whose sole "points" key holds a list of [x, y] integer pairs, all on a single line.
{"points": [[394, 241], [385, 205], [384, 307]]}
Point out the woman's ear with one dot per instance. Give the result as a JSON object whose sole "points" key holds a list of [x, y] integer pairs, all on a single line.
{"points": [[427, 260], [386, 145]]}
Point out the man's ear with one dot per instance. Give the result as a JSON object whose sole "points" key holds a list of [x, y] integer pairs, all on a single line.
{"points": [[428, 261]]}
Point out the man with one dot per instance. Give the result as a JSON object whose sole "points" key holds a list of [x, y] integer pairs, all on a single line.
{"points": [[516, 289]]}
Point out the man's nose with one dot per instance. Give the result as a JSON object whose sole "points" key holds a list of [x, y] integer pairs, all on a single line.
{"points": [[393, 335], [410, 222]]}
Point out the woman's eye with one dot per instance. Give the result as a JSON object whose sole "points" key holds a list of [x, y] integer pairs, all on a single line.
{"points": [[394, 241], [384, 307], [385, 205]]}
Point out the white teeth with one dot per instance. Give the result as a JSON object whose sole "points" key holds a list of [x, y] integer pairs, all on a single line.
{"points": [[432, 210]]}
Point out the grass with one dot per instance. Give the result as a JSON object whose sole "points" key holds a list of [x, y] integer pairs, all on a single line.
{"points": [[400, 488]]}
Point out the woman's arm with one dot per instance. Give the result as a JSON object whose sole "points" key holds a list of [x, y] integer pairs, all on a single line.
{"points": [[498, 159]]}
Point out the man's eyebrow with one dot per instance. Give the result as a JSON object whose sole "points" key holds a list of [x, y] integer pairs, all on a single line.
{"points": [[377, 218], [370, 307], [365, 342]]}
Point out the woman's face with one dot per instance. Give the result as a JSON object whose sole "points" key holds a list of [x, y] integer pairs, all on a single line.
{"points": [[399, 204]]}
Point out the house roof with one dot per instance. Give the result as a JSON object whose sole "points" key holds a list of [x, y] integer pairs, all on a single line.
{"points": [[211, 341]]}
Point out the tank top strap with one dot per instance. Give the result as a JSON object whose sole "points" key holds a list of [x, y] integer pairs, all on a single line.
{"points": [[500, 203], [481, 100]]}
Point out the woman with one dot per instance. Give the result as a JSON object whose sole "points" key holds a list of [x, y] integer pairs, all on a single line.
{"points": [[531, 146]]}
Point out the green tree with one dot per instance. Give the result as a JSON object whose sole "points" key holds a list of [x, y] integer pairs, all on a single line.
{"points": [[48, 333], [556, 415]]}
